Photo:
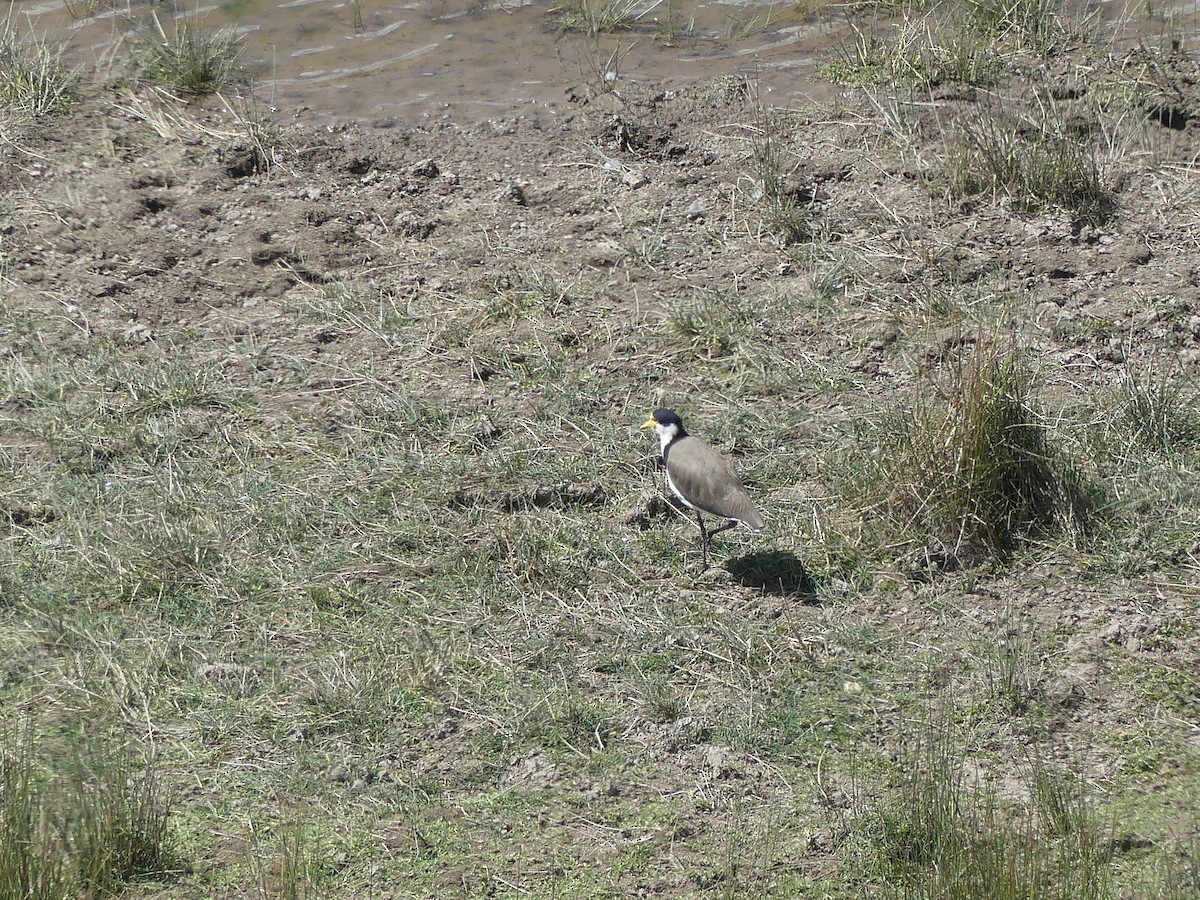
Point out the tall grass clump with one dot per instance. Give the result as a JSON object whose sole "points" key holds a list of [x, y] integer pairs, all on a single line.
{"points": [[33, 79], [785, 213], [1026, 24], [941, 834], [119, 827], [192, 63], [974, 466], [1037, 165], [31, 864], [916, 54], [1159, 411], [84, 831]]}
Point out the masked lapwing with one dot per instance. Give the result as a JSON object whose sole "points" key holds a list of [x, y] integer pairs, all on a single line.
{"points": [[702, 478]]}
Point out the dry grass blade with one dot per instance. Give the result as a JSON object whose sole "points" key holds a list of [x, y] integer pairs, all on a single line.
{"points": [[160, 109]]}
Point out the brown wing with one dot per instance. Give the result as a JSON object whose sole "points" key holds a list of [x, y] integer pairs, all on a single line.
{"points": [[708, 480]]}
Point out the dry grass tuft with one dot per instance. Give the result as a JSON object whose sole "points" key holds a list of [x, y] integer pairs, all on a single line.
{"points": [[33, 79]]}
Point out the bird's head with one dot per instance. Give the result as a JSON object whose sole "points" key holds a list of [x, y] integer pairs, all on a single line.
{"points": [[666, 424]]}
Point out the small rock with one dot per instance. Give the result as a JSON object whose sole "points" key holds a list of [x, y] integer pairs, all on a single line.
{"points": [[697, 212], [720, 759], [1046, 311], [136, 334], [605, 255], [634, 179], [426, 168]]}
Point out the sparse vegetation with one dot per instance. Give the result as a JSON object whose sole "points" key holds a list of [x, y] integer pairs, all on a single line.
{"points": [[925, 45], [919, 54], [785, 213], [598, 17], [1025, 24], [711, 323], [333, 563], [945, 832], [1036, 165], [1160, 410]]}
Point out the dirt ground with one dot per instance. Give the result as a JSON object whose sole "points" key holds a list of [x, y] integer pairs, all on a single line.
{"points": [[546, 278]]}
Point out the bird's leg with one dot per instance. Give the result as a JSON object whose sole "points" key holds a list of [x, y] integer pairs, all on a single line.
{"points": [[732, 523], [708, 535], [704, 536]]}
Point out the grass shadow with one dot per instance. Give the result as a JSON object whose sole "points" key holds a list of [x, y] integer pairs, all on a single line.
{"points": [[775, 572]]}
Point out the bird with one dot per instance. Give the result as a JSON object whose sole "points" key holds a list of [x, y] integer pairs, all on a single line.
{"points": [[703, 479]]}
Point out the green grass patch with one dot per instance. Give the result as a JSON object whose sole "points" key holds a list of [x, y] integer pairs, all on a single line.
{"points": [[786, 214], [943, 833], [1025, 24], [916, 53], [1160, 411], [191, 62], [1037, 165], [597, 17], [33, 78]]}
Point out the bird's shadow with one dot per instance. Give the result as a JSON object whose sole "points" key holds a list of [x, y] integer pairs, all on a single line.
{"points": [[774, 572]]}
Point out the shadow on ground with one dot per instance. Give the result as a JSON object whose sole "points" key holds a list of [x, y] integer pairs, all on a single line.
{"points": [[775, 572]]}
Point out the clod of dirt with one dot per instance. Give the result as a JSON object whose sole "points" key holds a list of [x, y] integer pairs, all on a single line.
{"points": [[723, 762], [536, 768], [246, 161], [634, 179], [22, 517], [136, 334], [155, 204], [645, 140], [650, 506], [426, 168], [513, 193], [484, 434]]}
